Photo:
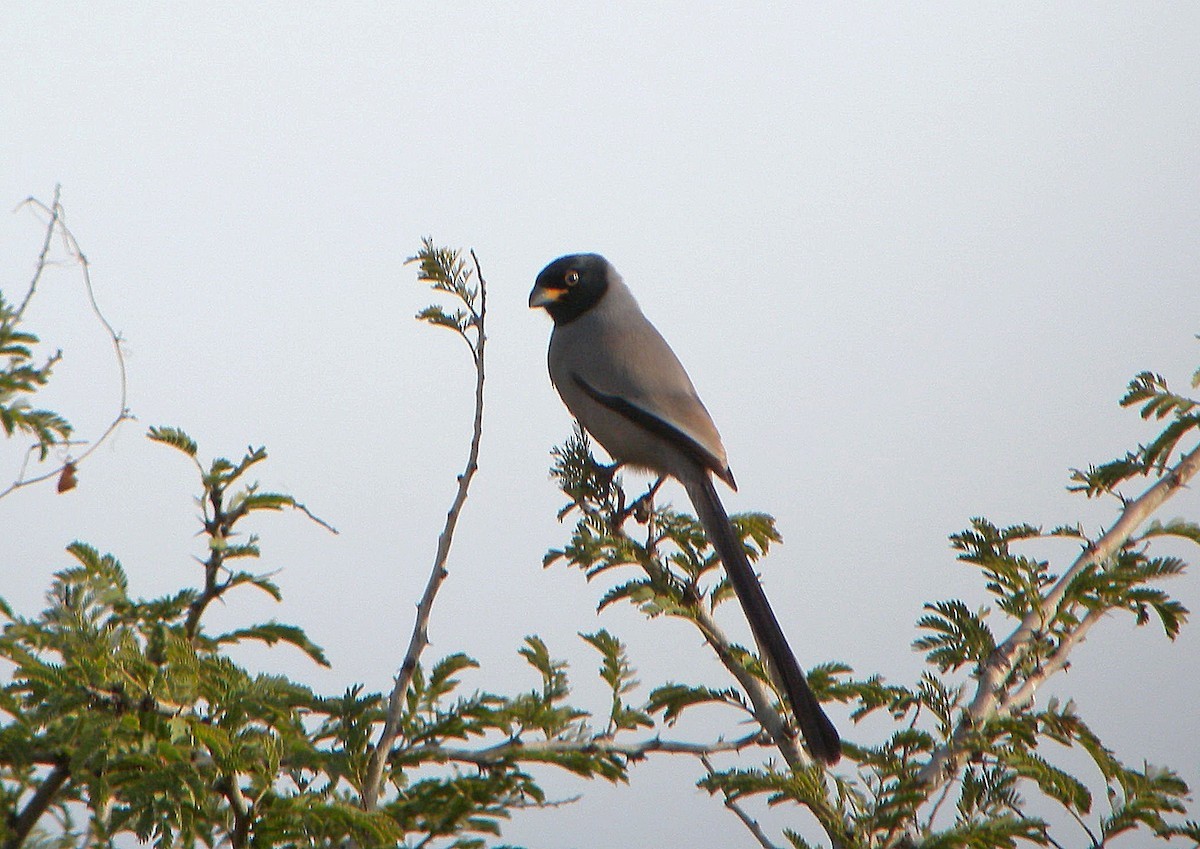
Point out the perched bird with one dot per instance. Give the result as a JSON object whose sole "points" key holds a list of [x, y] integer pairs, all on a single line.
{"points": [[624, 384]]}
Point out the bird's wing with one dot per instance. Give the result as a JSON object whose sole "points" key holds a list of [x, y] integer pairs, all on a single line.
{"points": [[616, 358], [656, 424]]}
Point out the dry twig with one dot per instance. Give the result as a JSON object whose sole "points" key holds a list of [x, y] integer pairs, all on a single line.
{"points": [[55, 223]]}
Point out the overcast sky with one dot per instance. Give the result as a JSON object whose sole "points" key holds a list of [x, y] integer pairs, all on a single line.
{"points": [[910, 254]]}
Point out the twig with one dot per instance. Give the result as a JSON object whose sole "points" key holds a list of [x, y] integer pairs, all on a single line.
{"points": [[40, 267], [943, 795], [740, 812], [57, 223], [217, 527], [310, 514], [1055, 663], [548, 804], [988, 698], [491, 756], [420, 634], [1082, 824]]}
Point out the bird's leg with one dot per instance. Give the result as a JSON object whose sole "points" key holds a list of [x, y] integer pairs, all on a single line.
{"points": [[643, 507], [606, 474], [604, 478]]}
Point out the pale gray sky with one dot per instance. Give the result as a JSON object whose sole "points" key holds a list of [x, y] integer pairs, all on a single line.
{"points": [[910, 254]]}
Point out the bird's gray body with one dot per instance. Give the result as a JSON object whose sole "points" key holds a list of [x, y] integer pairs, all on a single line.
{"points": [[616, 351]]}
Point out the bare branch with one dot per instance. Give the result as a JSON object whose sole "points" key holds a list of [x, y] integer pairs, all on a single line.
{"points": [[310, 514], [51, 226], [56, 224], [511, 750], [546, 805], [420, 634], [943, 796]]}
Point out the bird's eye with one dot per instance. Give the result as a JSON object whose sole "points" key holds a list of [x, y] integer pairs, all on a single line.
{"points": [[572, 277]]}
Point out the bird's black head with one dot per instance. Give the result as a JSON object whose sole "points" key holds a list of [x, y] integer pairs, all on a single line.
{"points": [[570, 286]]}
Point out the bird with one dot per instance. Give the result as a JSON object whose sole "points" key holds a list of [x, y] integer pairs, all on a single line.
{"points": [[621, 381]]}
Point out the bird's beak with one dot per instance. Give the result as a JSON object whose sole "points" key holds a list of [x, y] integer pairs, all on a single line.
{"points": [[541, 296]]}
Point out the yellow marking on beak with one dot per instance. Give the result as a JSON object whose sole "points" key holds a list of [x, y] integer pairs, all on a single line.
{"points": [[541, 296]]}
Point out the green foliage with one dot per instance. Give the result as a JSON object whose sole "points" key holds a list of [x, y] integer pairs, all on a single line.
{"points": [[20, 378], [679, 572], [174, 437], [617, 672], [127, 716], [958, 635], [1158, 402], [955, 770], [445, 271], [139, 705], [160, 734], [671, 700]]}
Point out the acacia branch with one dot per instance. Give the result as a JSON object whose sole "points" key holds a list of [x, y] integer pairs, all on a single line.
{"points": [[1056, 662], [218, 529], [989, 696], [21, 824], [243, 814], [732, 804], [490, 756], [943, 796], [420, 633], [763, 706], [514, 750]]}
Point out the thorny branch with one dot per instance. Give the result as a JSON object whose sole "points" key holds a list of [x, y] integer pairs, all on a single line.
{"points": [[218, 526], [760, 699], [491, 756], [773, 730]]}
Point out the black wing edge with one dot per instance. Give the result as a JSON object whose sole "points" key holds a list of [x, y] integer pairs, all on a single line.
{"points": [[655, 425]]}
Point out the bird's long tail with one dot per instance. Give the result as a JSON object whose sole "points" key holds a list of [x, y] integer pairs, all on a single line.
{"points": [[819, 733]]}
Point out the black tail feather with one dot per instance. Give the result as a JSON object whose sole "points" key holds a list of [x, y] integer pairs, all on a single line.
{"points": [[819, 734]]}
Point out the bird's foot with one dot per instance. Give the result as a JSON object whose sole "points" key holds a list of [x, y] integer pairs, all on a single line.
{"points": [[643, 507], [606, 474]]}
